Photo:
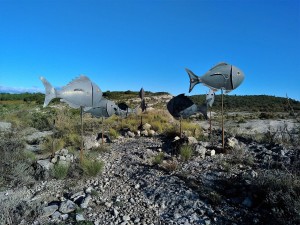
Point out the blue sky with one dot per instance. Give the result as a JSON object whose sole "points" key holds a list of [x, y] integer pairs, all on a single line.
{"points": [[126, 45]]}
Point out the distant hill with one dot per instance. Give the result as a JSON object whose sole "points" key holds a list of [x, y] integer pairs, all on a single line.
{"points": [[254, 103]]}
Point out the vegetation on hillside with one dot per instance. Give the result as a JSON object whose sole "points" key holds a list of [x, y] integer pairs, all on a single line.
{"points": [[250, 103]]}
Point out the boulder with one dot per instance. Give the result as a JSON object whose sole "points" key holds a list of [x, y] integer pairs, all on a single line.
{"points": [[192, 140], [146, 126], [49, 210], [67, 207], [201, 150], [37, 137]]}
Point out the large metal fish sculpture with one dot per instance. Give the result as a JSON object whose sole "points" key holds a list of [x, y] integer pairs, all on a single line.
{"points": [[222, 76], [81, 92], [210, 98], [183, 107]]}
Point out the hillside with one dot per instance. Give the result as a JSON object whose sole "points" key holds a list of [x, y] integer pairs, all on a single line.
{"points": [[232, 103]]}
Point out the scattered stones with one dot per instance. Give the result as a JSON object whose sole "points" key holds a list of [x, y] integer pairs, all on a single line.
{"points": [[131, 190]]}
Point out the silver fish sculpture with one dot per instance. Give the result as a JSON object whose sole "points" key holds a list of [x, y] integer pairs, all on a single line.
{"points": [[107, 108], [81, 92], [222, 76], [210, 98], [183, 107]]}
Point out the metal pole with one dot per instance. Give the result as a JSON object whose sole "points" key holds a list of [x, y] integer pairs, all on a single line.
{"points": [[210, 120], [102, 131], [81, 120], [223, 143], [180, 128]]}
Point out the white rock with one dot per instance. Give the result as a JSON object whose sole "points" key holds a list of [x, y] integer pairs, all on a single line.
{"points": [[192, 140], [79, 217], [211, 152], [176, 138], [201, 150], [116, 213], [144, 133], [151, 133], [64, 152], [49, 210], [126, 218], [130, 134], [138, 133], [88, 190], [45, 163], [4, 126], [108, 204], [67, 207], [54, 160], [62, 158], [85, 202], [64, 217], [146, 126]]}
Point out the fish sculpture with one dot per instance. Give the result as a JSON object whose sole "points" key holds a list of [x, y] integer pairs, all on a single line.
{"points": [[210, 98], [222, 76], [107, 108], [143, 103], [183, 107], [81, 92]]}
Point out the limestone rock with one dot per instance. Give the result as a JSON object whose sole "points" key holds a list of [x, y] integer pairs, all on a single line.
{"points": [[67, 207], [49, 210]]}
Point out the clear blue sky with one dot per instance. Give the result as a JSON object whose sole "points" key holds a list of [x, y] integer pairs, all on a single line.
{"points": [[126, 45]]}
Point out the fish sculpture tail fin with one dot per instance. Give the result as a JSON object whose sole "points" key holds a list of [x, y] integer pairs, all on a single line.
{"points": [[50, 92], [194, 79]]}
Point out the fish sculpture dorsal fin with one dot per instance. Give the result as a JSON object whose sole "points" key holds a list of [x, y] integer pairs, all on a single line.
{"points": [[82, 82], [219, 64]]}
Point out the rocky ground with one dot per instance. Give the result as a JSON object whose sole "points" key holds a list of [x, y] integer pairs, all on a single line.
{"points": [[209, 188]]}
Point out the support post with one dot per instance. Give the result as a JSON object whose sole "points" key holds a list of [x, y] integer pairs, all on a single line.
{"points": [[81, 120], [223, 142], [180, 128], [102, 131], [210, 121]]}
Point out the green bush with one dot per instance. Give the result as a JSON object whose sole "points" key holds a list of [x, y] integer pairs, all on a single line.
{"points": [[39, 121], [113, 133], [91, 167], [186, 152], [158, 158], [60, 171]]}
